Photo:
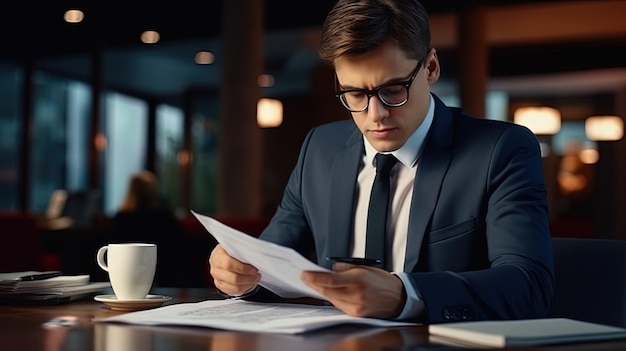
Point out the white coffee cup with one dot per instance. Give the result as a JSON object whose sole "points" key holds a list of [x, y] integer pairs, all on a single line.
{"points": [[131, 268]]}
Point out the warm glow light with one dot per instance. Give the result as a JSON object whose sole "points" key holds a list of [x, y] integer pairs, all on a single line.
{"points": [[150, 37], [265, 81], [604, 128], [100, 142], [540, 120], [183, 157], [204, 57], [589, 156], [269, 113], [73, 16]]}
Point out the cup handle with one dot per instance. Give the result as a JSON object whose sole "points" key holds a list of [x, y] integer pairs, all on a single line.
{"points": [[100, 258]]}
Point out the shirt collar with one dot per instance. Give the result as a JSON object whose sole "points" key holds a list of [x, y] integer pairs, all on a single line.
{"points": [[409, 153]]}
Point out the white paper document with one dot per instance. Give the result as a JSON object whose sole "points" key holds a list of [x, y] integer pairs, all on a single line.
{"points": [[280, 266], [248, 316]]}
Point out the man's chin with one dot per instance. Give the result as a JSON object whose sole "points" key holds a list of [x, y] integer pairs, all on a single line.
{"points": [[385, 145]]}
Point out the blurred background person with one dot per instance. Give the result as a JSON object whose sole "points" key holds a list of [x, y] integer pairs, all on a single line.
{"points": [[145, 216]]}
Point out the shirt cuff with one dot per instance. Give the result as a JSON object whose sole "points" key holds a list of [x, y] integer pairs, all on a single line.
{"points": [[242, 296], [414, 306]]}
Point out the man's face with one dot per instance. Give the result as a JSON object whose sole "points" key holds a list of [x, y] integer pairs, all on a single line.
{"points": [[388, 128]]}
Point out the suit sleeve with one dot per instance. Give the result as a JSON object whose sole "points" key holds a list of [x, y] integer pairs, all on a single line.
{"points": [[518, 280]]}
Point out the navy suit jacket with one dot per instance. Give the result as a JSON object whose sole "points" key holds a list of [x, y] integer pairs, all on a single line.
{"points": [[479, 243]]}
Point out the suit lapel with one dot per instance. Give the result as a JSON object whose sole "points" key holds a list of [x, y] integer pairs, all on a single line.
{"points": [[340, 210], [432, 167]]}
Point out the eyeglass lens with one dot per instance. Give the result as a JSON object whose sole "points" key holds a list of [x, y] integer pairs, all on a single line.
{"points": [[391, 95]]}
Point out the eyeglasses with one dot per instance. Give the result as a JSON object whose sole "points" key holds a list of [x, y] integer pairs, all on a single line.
{"points": [[391, 95]]}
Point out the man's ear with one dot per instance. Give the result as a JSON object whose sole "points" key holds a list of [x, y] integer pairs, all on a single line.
{"points": [[432, 66]]}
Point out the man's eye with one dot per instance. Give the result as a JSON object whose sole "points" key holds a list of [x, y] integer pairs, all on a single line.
{"points": [[392, 90], [354, 95]]}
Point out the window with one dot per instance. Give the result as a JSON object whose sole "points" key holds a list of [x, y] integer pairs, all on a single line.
{"points": [[125, 133], [205, 155], [11, 81], [169, 143], [60, 130]]}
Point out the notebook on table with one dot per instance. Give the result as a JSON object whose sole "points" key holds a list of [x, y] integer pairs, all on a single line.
{"points": [[527, 332]]}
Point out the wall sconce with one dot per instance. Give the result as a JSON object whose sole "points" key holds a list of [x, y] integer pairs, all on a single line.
{"points": [[269, 113], [604, 128], [540, 120]]}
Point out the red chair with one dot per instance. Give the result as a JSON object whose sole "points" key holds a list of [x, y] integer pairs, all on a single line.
{"points": [[20, 244]]}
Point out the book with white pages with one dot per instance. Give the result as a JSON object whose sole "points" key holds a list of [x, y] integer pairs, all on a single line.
{"points": [[526, 332]]}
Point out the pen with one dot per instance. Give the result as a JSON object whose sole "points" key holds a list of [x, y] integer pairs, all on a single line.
{"points": [[356, 260], [40, 276]]}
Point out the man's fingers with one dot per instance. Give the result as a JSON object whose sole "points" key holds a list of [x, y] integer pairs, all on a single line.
{"points": [[230, 275], [222, 260]]}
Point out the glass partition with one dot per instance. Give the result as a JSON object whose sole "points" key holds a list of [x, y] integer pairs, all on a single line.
{"points": [[11, 82], [125, 128]]}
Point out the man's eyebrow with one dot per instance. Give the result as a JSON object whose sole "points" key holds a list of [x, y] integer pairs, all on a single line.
{"points": [[389, 82]]}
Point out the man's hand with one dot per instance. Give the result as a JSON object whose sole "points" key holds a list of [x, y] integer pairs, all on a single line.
{"points": [[230, 275], [359, 291]]}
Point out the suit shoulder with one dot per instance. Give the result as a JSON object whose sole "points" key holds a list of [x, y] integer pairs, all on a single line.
{"points": [[465, 120], [333, 131], [336, 126]]}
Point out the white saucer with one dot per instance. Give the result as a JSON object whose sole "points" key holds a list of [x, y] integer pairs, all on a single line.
{"points": [[150, 301]]}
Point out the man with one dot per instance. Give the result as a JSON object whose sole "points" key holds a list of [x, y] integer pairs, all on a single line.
{"points": [[468, 235]]}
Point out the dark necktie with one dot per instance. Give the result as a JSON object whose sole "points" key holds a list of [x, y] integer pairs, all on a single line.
{"points": [[375, 244]]}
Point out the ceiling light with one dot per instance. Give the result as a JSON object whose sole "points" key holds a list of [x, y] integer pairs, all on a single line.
{"points": [[604, 128], [150, 37], [540, 120], [204, 57], [73, 16]]}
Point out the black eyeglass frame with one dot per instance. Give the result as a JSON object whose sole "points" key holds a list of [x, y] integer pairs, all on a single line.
{"points": [[369, 93]]}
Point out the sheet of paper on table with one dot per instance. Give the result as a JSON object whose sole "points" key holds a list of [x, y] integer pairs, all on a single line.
{"points": [[241, 315], [280, 266]]}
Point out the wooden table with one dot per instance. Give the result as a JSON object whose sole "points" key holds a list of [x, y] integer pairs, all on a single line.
{"points": [[24, 328]]}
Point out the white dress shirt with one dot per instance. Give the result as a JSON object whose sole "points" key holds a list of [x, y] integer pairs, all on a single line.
{"points": [[402, 180]]}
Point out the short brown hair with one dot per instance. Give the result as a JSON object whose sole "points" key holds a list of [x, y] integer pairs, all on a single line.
{"points": [[355, 27]]}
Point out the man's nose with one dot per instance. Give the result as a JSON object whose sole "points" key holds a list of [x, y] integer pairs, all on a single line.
{"points": [[376, 109]]}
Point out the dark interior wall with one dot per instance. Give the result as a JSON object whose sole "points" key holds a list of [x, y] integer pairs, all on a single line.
{"points": [[281, 145]]}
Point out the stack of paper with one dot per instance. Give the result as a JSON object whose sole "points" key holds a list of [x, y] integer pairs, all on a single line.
{"points": [[49, 286]]}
